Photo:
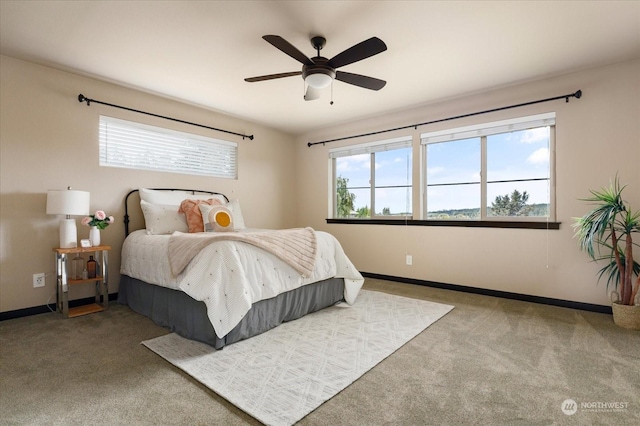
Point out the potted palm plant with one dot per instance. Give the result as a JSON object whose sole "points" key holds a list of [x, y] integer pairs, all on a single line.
{"points": [[605, 233]]}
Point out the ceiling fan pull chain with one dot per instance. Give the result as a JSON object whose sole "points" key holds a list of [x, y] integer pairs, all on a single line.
{"points": [[331, 103]]}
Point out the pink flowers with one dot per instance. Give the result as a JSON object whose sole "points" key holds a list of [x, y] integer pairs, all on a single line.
{"points": [[99, 219]]}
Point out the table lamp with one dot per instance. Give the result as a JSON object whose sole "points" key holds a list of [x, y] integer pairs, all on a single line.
{"points": [[69, 203]]}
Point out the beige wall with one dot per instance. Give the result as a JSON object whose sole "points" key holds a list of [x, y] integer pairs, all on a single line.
{"points": [[596, 137], [48, 140]]}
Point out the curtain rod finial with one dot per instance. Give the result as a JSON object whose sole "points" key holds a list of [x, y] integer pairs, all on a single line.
{"points": [[82, 98]]}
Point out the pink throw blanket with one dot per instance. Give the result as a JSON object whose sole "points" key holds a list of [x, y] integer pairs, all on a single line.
{"points": [[297, 247]]}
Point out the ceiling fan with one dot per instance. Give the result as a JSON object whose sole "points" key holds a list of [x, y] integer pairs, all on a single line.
{"points": [[319, 72]]}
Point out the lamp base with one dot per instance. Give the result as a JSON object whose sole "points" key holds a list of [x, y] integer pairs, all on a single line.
{"points": [[68, 233]]}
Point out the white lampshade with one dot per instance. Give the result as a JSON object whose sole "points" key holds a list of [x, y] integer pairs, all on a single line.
{"points": [[69, 203], [318, 80]]}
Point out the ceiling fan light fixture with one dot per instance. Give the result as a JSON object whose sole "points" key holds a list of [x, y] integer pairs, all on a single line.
{"points": [[318, 80]]}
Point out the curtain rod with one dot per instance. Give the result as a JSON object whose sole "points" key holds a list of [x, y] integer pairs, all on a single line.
{"points": [[82, 98], [576, 95]]}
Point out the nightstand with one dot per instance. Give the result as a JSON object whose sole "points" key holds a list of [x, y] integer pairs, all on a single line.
{"points": [[63, 281]]}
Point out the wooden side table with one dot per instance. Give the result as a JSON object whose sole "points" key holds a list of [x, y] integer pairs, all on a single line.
{"points": [[101, 280]]}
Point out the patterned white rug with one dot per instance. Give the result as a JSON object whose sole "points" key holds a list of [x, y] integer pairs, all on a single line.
{"points": [[282, 375]]}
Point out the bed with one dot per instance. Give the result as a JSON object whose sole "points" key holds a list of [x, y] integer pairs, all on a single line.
{"points": [[220, 286]]}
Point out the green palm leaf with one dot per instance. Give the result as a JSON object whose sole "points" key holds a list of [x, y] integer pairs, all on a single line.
{"points": [[605, 234]]}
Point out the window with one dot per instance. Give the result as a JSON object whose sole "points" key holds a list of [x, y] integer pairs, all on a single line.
{"points": [[139, 146], [501, 170], [372, 180]]}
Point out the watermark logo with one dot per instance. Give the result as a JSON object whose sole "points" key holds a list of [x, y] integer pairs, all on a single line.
{"points": [[569, 407]]}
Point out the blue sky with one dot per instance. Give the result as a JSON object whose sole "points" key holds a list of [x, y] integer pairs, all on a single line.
{"points": [[517, 155]]}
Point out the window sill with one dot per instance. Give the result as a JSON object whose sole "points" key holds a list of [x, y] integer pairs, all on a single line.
{"points": [[462, 223]]}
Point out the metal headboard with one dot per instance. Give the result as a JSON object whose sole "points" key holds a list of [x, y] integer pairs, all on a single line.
{"points": [[192, 191]]}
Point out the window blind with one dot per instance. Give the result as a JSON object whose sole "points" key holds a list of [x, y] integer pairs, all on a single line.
{"points": [[139, 146]]}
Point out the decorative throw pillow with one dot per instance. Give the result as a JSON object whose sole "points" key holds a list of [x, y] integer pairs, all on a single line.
{"points": [[192, 212], [236, 215], [216, 218], [162, 219]]}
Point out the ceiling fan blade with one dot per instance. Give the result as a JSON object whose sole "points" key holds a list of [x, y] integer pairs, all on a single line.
{"points": [[272, 76], [288, 48], [356, 53], [360, 80], [312, 94]]}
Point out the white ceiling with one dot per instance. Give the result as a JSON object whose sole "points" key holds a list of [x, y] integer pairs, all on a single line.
{"points": [[200, 51]]}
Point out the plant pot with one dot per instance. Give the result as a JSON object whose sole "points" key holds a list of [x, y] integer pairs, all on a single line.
{"points": [[626, 316]]}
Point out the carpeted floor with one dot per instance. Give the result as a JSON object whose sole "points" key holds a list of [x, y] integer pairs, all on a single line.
{"points": [[489, 361]]}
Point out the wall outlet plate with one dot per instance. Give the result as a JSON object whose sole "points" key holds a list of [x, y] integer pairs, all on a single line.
{"points": [[38, 280], [409, 260]]}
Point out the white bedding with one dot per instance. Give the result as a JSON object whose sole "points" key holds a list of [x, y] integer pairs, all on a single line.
{"points": [[229, 276]]}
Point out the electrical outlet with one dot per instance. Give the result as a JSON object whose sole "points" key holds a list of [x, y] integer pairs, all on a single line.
{"points": [[38, 280], [409, 260]]}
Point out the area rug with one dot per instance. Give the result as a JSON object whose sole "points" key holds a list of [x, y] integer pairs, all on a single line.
{"points": [[282, 375]]}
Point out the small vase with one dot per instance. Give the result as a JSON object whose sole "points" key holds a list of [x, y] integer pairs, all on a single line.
{"points": [[94, 236]]}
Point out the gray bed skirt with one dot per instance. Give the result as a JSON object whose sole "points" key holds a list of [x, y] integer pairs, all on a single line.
{"points": [[187, 317]]}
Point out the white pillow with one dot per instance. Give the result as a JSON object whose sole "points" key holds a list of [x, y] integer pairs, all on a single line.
{"points": [[238, 220], [173, 198], [216, 218], [163, 218]]}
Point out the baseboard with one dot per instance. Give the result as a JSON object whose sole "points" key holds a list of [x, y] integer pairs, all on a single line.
{"points": [[19, 313], [486, 292], [495, 293]]}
